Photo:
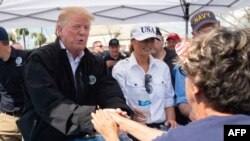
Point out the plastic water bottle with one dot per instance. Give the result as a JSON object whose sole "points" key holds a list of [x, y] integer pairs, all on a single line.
{"points": [[144, 103]]}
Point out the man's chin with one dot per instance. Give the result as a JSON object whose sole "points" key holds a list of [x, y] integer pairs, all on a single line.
{"points": [[81, 47]]}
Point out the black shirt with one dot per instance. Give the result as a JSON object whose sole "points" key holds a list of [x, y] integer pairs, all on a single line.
{"points": [[169, 59], [108, 58], [11, 96]]}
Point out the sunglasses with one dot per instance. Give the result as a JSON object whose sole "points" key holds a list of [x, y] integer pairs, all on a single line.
{"points": [[148, 87], [182, 72], [100, 46]]}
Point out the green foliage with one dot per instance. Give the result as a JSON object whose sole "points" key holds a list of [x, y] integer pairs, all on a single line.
{"points": [[39, 38], [22, 32], [12, 37]]}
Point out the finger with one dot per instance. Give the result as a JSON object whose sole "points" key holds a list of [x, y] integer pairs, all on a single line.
{"points": [[93, 115], [138, 111], [166, 124], [95, 125], [139, 119], [96, 119], [118, 110], [99, 113], [109, 110]]}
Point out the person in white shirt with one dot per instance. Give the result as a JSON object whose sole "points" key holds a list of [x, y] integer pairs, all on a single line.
{"points": [[142, 72]]}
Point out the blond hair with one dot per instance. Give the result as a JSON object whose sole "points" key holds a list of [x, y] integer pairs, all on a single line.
{"points": [[68, 12], [218, 63]]}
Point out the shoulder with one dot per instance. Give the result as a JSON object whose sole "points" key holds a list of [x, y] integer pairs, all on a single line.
{"points": [[46, 50], [187, 133], [46, 54], [18, 53], [94, 61], [123, 63], [160, 63], [121, 66], [107, 57], [213, 126]]}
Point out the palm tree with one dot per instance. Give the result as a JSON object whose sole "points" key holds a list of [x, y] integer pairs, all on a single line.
{"points": [[22, 32], [12, 37], [39, 38]]}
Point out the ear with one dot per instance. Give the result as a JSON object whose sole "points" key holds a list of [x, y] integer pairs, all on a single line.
{"points": [[132, 40], [193, 33], [196, 90], [58, 29], [218, 24]]}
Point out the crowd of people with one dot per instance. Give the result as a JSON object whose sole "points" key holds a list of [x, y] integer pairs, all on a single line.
{"points": [[62, 91]]}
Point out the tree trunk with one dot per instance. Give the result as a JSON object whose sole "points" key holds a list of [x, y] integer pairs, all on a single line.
{"points": [[24, 42]]}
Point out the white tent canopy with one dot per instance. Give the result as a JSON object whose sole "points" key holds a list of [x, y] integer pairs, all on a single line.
{"points": [[38, 13]]}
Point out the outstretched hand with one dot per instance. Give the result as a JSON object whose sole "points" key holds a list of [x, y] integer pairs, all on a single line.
{"points": [[105, 125]]}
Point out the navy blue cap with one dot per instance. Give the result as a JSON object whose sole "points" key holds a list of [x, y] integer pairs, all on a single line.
{"points": [[3, 34], [114, 42], [201, 18]]}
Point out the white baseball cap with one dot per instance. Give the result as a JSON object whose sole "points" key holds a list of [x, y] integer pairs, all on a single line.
{"points": [[142, 32]]}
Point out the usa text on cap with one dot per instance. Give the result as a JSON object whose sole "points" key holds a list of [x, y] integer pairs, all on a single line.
{"points": [[143, 32]]}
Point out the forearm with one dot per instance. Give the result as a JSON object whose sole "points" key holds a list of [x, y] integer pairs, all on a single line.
{"points": [[111, 137], [185, 109], [139, 131], [170, 113]]}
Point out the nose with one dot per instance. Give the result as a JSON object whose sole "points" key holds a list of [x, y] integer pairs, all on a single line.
{"points": [[82, 32]]}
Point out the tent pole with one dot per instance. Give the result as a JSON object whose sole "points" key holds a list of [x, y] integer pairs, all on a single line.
{"points": [[186, 17]]}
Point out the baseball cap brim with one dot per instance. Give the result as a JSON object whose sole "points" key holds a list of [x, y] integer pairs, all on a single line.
{"points": [[147, 36]]}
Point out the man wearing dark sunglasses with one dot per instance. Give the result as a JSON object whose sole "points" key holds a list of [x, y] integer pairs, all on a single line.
{"points": [[98, 49]]}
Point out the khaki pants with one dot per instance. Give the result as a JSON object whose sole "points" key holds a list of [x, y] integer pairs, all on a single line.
{"points": [[8, 128]]}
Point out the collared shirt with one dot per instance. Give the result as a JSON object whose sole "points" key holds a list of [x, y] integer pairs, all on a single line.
{"points": [[131, 78], [73, 62]]}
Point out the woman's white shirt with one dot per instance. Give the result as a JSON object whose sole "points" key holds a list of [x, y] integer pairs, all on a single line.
{"points": [[131, 78]]}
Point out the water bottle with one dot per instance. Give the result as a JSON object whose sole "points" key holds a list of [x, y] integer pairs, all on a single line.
{"points": [[144, 103]]}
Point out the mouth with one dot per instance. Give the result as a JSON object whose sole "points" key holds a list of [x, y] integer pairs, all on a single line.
{"points": [[147, 49], [81, 40]]}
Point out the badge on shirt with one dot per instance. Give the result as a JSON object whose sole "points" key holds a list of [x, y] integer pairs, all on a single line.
{"points": [[92, 79], [19, 61]]}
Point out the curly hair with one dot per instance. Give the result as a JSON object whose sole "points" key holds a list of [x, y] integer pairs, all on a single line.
{"points": [[219, 64]]}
